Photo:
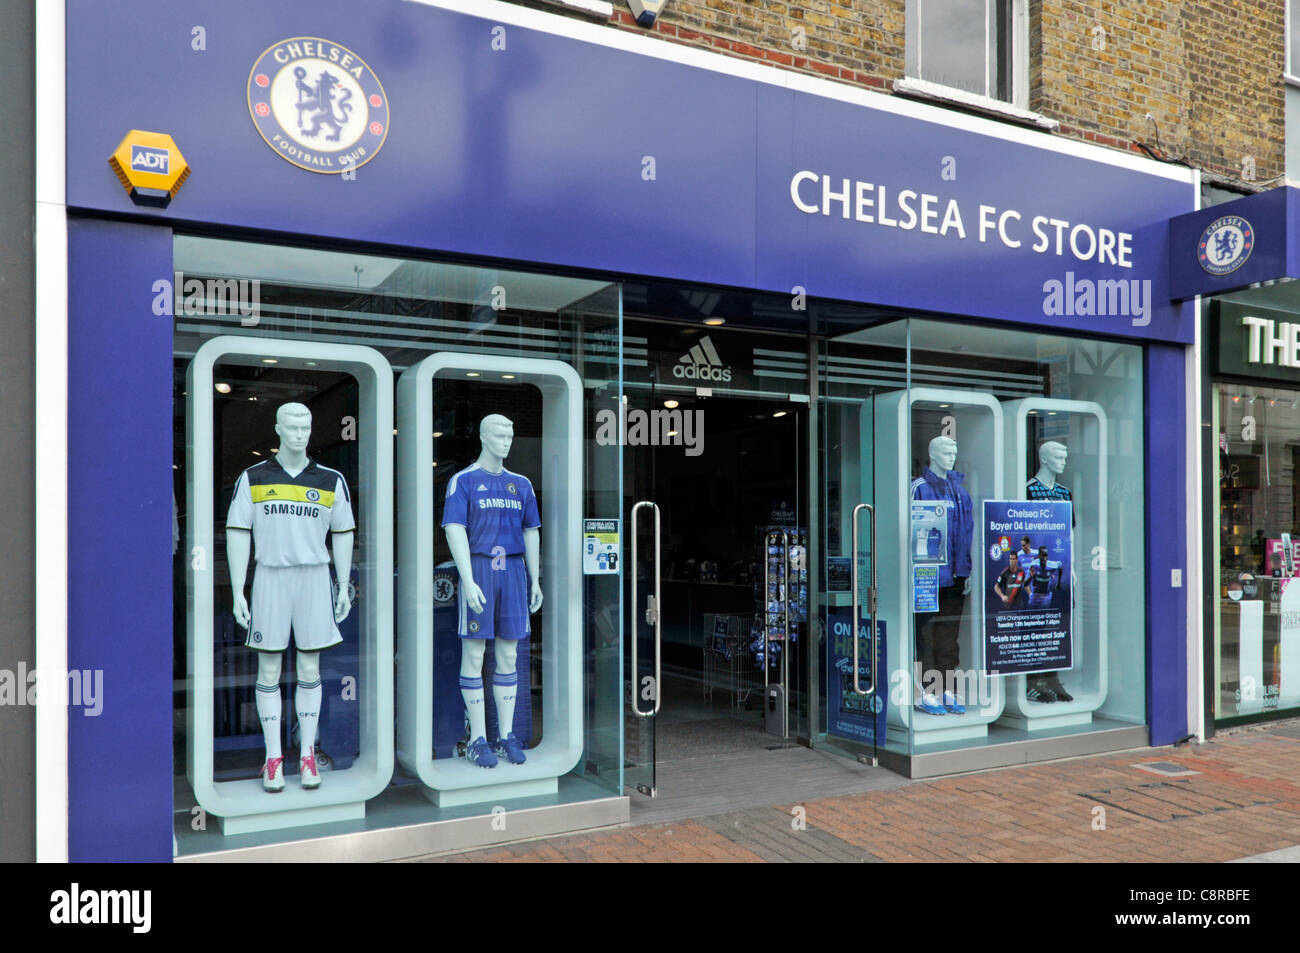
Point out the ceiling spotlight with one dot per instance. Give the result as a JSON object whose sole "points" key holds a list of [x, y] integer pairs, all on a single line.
{"points": [[472, 374], [270, 360], [945, 405], [715, 322], [779, 413], [670, 404], [256, 454], [672, 433], [508, 377], [311, 363], [437, 433], [222, 387], [254, 399]]}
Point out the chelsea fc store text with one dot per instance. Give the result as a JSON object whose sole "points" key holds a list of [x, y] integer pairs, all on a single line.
{"points": [[483, 425]]}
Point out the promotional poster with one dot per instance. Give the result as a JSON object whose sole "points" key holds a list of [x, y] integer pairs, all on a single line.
{"points": [[850, 715], [928, 541], [1027, 552]]}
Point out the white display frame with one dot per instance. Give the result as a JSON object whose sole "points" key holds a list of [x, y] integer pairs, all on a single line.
{"points": [[454, 781], [1093, 655], [243, 806], [893, 429]]}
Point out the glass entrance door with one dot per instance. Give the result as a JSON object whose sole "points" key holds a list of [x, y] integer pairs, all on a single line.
{"points": [[717, 578], [858, 373]]}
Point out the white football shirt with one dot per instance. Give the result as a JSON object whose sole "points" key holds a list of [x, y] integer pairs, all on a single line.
{"points": [[290, 515]]}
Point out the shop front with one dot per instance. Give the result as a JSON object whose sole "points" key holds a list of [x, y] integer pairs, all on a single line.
{"points": [[836, 411]]}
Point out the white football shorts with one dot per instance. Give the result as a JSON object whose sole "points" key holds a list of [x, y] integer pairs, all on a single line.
{"points": [[300, 598]]}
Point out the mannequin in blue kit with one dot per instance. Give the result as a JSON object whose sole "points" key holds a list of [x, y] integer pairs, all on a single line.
{"points": [[937, 633]]}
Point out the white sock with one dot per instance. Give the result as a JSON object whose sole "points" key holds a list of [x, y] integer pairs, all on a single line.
{"points": [[307, 701], [471, 689], [504, 686], [268, 709]]}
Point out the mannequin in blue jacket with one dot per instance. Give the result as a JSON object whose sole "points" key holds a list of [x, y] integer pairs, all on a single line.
{"points": [[937, 633]]}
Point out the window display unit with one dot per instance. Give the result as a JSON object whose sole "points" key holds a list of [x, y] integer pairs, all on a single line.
{"points": [[960, 433], [282, 550], [313, 306], [1087, 383], [460, 781], [926, 420], [1056, 452]]}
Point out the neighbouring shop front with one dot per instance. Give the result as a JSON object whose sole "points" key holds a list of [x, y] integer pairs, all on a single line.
{"points": [[1254, 395], [844, 400], [1236, 256]]}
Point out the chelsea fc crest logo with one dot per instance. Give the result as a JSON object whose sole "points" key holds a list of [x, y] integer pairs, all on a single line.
{"points": [[1225, 245], [318, 105], [512, 489], [312, 496]]}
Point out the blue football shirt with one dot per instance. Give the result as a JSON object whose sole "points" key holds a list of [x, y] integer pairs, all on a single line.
{"points": [[494, 508]]}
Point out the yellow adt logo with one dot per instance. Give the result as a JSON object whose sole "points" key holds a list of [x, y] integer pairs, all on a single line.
{"points": [[150, 167]]}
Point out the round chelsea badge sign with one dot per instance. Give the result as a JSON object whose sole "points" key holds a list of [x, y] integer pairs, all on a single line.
{"points": [[1225, 245], [318, 105]]}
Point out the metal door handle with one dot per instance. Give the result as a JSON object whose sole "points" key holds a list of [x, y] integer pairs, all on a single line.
{"points": [[652, 616], [871, 600]]}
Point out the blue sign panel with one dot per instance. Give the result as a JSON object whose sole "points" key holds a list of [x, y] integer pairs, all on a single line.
{"points": [[517, 144], [1233, 245]]}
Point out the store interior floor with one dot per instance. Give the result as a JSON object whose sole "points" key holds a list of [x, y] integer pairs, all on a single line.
{"points": [[713, 757], [690, 725]]}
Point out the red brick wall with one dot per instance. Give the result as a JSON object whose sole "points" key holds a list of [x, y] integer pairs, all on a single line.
{"points": [[1209, 72]]}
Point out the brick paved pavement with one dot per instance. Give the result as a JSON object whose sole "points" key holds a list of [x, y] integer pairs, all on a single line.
{"points": [[1244, 800]]}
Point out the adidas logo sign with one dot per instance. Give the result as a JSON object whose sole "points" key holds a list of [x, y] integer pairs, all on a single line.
{"points": [[702, 363], [270, 492], [482, 487]]}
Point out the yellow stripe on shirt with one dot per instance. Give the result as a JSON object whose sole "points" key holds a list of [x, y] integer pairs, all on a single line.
{"points": [[291, 493]]}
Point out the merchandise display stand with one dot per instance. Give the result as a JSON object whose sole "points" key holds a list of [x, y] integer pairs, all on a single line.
{"points": [[781, 613], [454, 781], [1086, 476], [728, 663], [243, 806], [978, 421]]}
